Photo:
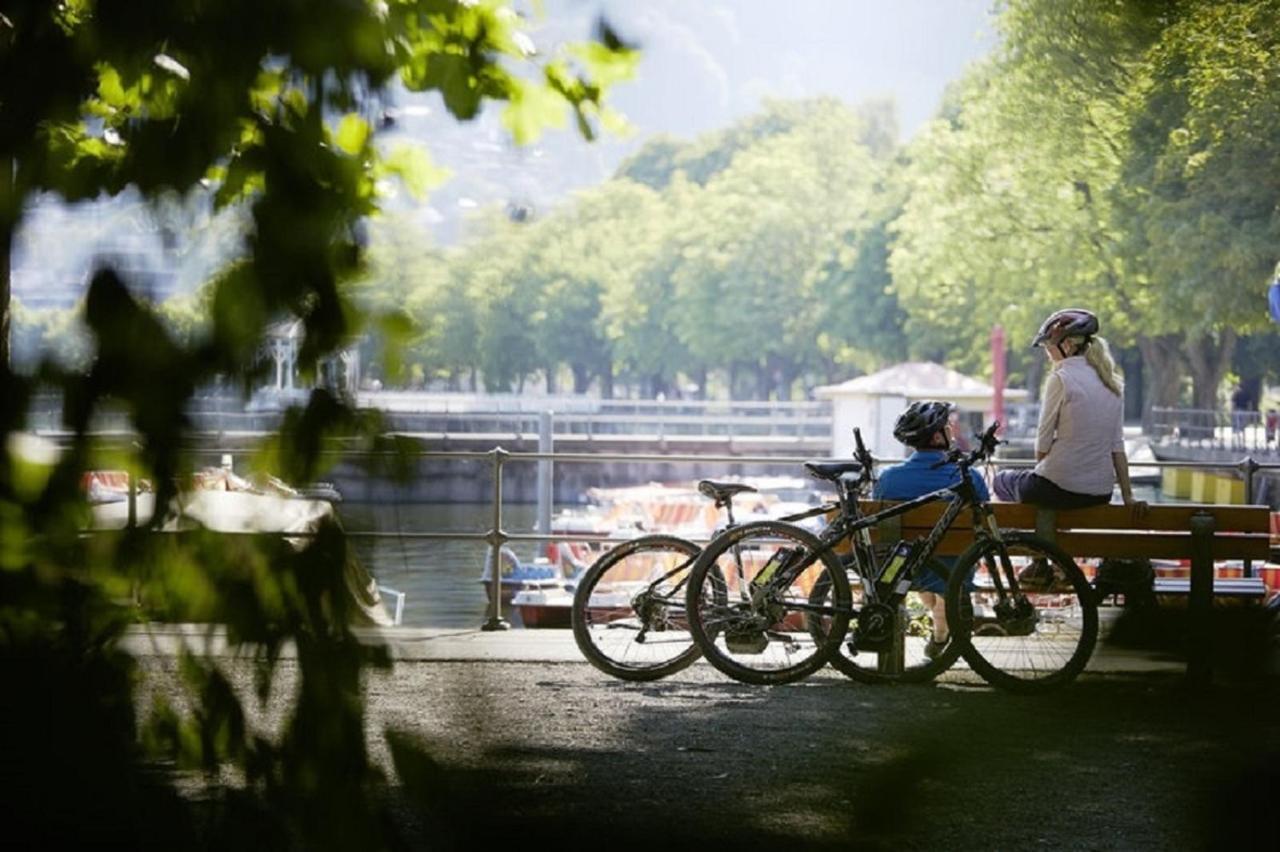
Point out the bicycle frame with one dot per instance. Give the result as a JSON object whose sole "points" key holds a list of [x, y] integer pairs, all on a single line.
{"points": [[855, 528], [677, 591]]}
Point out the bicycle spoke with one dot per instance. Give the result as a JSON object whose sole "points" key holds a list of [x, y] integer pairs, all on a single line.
{"points": [[629, 611]]}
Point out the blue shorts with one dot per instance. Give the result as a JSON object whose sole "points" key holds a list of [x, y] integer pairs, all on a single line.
{"points": [[934, 575]]}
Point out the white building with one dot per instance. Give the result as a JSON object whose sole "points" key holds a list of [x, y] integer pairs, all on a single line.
{"points": [[872, 403]]}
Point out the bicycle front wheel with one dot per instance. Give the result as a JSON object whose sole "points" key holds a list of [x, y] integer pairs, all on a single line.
{"points": [[628, 609], [750, 608], [1037, 639], [884, 646]]}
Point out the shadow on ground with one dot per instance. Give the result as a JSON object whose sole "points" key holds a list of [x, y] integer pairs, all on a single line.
{"points": [[574, 760]]}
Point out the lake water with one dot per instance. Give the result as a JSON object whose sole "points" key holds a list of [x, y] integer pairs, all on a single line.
{"points": [[440, 579]]}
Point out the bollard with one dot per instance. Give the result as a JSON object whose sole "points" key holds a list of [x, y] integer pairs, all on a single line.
{"points": [[1200, 600], [1248, 467], [496, 538], [892, 660]]}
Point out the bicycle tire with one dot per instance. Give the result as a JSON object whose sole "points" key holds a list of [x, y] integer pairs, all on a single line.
{"points": [[873, 666], [607, 627], [1045, 646], [777, 639]]}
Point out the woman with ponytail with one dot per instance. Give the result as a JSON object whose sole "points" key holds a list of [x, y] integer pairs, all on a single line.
{"points": [[1080, 442]]}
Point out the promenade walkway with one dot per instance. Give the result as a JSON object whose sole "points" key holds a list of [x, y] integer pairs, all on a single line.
{"points": [[526, 745], [410, 644]]}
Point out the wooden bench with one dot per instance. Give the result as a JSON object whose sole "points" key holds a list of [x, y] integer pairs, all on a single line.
{"points": [[1202, 533]]}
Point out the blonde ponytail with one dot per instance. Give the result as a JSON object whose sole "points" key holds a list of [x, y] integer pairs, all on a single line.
{"points": [[1098, 354]]}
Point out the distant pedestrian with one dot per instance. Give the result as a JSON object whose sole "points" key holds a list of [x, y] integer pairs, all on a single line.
{"points": [[1272, 425]]}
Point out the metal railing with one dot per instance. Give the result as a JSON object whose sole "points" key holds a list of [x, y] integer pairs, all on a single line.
{"points": [[496, 536], [652, 421], [1244, 431]]}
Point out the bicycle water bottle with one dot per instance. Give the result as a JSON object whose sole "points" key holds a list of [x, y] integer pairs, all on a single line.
{"points": [[894, 578]]}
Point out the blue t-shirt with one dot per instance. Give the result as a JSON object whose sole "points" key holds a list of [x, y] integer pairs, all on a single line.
{"points": [[916, 477]]}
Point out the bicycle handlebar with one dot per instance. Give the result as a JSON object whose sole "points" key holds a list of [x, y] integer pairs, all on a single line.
{"points": [[987, 443], [860, 453]]}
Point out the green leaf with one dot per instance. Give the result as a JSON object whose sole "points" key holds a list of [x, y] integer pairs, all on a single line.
{"points": [[352, 134], [451, 74], [607, 66], [413, 165], [532, 108]]}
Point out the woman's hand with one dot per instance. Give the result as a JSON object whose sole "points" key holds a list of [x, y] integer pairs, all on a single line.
{"points": [[1137, 507]]}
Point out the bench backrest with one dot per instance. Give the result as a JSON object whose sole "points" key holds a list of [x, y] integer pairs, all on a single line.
{"points": [[1164, 532]]}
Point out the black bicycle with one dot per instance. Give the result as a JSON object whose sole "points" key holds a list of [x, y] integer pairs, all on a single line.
{"points": [[629, 608], [770, 602]]}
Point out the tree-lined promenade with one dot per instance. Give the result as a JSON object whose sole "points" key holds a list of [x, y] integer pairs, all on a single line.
{"points": [[1120, 156]]}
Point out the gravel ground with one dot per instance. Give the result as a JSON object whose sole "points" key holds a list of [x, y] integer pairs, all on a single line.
{"points": [[561, 755]]}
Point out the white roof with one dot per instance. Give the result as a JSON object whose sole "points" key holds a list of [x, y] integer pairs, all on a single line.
{"points": [[917, 380]]}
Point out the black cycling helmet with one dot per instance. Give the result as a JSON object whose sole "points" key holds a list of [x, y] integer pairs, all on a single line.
{"points": [[1068, 322], [921, 421]]}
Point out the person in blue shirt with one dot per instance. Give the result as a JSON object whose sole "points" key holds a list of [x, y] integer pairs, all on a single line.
{"points": [[925, 427]]}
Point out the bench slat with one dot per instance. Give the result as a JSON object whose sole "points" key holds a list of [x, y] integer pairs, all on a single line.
{"points": [[1249, 519], [1252, 587], [1125, 545]]}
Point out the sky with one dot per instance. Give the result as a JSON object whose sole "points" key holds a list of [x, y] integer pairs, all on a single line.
{"points": [[708, 62]]}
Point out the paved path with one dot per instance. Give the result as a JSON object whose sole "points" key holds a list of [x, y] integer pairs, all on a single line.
{"points": [[519, 742]]}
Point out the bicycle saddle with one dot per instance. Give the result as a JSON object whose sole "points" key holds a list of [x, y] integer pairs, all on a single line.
{"points": [[722, 491], [831, 470]]}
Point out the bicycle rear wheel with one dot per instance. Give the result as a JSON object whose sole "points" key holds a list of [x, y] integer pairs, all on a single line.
{"points": [[754, 626], [1034, 641], [628, 609], [884, 648]]}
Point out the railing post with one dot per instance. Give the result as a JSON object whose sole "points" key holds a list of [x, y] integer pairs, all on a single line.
{"points": [[496, 538], [1200, 600], [545, 472]]}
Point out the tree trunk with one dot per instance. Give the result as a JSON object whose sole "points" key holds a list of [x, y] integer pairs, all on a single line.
{"points": [[1164, 365], [581, 378], [700, 379], [1208, 360], [657, 386], [787, 373], [1035, 377], [606, 381]]}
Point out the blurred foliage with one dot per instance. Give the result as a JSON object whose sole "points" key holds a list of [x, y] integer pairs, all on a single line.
{"points": [[274, 106]]}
